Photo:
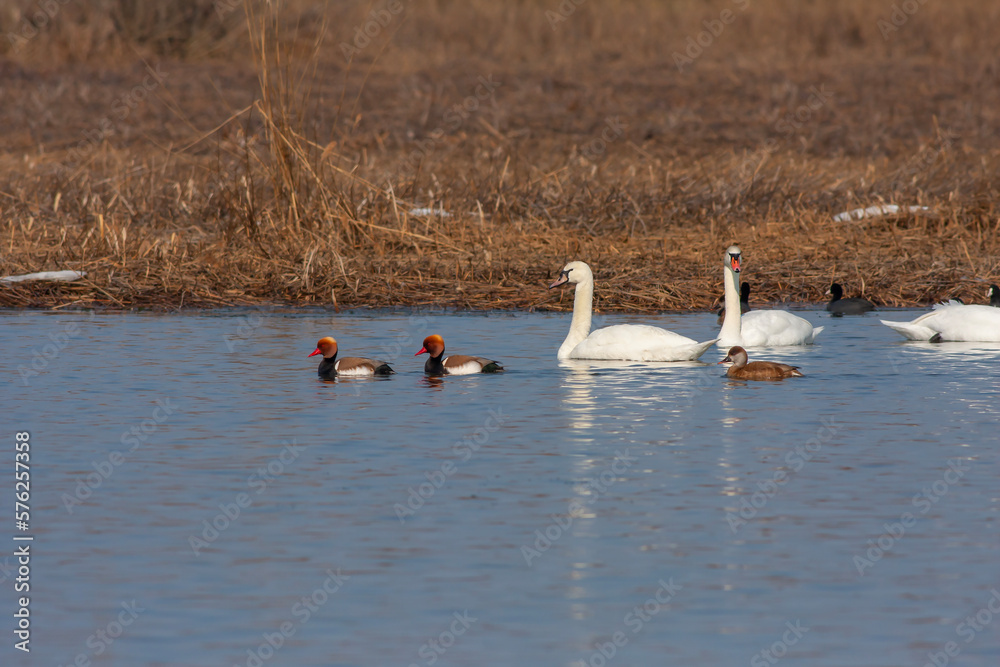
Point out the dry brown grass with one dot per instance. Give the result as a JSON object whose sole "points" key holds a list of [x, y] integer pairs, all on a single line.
{"points": [[196, 157]]}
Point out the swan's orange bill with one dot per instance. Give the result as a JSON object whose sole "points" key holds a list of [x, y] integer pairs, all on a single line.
{"points": [[734, 261]]}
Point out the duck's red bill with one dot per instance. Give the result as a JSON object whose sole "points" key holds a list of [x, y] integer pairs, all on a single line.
{"points": [[316, 352], [422, 351]]}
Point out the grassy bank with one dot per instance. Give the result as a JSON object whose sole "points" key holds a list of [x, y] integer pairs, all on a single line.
{"points": [[218, 154]]}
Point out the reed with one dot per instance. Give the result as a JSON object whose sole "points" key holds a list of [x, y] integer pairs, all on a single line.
{"points": [[206, 154]]}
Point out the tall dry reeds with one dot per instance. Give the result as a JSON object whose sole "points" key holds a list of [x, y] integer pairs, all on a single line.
{"points": [[279, 152]]}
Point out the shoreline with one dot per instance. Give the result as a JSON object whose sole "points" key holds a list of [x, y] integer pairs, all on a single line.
{"points": [[79, 297]]}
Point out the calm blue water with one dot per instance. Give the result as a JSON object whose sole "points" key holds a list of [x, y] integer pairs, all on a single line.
{"points": [[658, 512]]}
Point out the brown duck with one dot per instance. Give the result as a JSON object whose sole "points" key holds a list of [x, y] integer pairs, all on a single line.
{"points": [[332, 367], [456, 364], [756, 370]]}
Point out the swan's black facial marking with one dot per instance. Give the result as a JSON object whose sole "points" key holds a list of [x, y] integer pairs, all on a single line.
{"points": [[563, 278], [734, 261]]}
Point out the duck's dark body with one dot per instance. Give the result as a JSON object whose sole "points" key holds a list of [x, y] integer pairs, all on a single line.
{"points": [[331, 368], [456, 364], [460, 364], [852, 306]]}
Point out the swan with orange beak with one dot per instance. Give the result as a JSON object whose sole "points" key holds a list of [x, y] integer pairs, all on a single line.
{"points": [[456, 364], [758, 328], [332, 367]]}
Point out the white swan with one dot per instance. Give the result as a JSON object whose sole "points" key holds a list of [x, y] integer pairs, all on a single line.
{"points": [[758, 328], [952, 321], [624, 342]]}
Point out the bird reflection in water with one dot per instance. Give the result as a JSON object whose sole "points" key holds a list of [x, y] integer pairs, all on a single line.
{"points": [[578, 395], [432, 381]]}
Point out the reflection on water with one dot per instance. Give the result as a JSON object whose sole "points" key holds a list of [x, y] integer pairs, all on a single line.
{"points": [[986, 351], [547, 503], [578, 401]]}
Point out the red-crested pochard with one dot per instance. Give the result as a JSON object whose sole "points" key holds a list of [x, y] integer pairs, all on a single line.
{"points": [[456, 364], [756, 370], [993, 294], [331, 367], [841, 306]]}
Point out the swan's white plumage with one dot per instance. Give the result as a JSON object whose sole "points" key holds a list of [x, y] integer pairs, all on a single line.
{"points": [[758, 328], [953, 322], [638, 342], [762, 328], [623, 342]]}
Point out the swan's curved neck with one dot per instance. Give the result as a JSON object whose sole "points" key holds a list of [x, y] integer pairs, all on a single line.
{"points": [[579, 328], [730, 333]]}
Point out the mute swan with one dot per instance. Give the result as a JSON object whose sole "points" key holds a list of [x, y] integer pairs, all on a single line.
{"points": [[841, 306], [952, 321], [331, 367], [744, 303], [758, 328], [756, 370], [455, 364], [624, 342]]}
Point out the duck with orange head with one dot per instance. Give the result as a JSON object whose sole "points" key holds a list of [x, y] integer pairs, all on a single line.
{"points": [[456, 364], [332, 367]]}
